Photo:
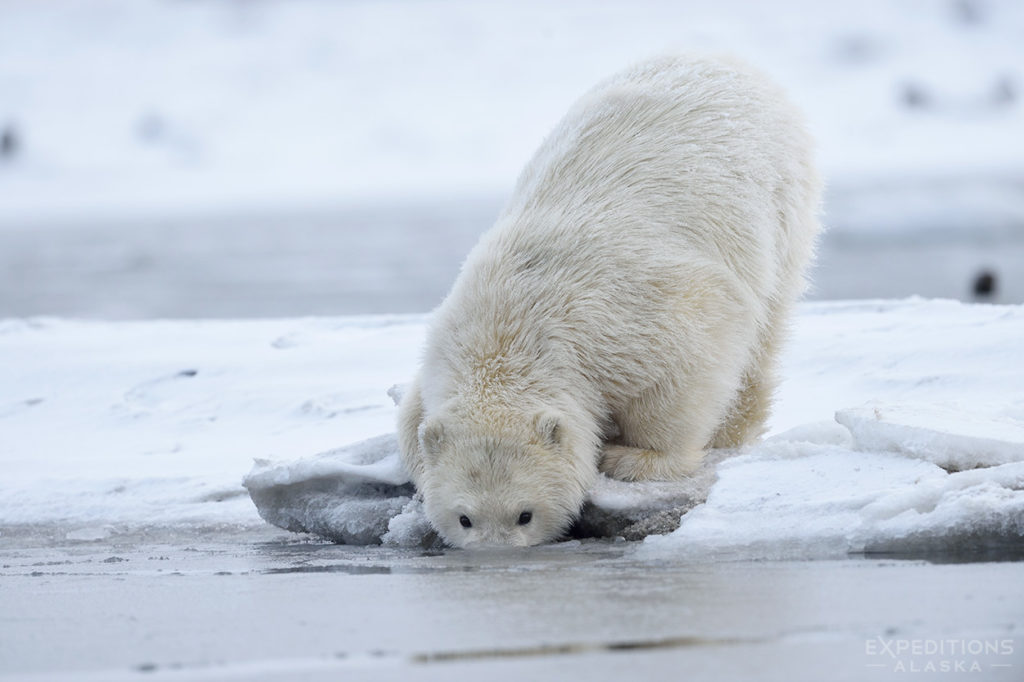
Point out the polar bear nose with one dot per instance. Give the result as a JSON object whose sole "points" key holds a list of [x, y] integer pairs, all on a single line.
{"points": [[495, 538]]}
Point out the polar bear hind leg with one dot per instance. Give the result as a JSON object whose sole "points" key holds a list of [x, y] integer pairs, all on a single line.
{"points": [[664, 431], [662, 434], [745, 421]]}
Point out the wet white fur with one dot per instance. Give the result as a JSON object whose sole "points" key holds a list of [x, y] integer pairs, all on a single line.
{"points": [[625, 310]]}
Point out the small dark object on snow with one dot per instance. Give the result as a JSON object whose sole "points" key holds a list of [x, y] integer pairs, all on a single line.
{"points": [[984, 285], [914, 96], [1005, 92], [8, 143], [968, 12]]}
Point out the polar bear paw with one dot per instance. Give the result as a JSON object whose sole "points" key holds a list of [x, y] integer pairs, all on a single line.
{"points": [[627, 463]]}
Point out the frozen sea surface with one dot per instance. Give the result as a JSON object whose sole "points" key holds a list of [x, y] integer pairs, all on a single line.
{"points": [[256, 606]]}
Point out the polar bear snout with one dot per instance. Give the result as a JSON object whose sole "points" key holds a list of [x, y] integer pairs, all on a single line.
{"points": [[499, 538], [486, 518]]}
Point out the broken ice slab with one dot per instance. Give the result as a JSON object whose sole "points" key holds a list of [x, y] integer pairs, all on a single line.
{"points": [[361, 495], [953, 437]]}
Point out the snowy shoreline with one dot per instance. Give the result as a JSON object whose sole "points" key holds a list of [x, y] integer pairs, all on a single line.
{"points": [[113, 427]]}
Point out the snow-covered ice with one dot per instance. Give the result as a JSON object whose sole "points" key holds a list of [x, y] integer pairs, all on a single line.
{"points": [[791, 499], [151, 423], [116, 427]]}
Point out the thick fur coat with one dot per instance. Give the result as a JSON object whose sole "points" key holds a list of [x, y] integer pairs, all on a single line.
{"points": [[625, 311]]}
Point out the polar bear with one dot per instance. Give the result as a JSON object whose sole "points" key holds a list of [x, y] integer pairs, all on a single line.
{"points": [[625, 311]]}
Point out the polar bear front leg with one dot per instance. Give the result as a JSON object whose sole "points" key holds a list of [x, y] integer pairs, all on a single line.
{"points": [[410, 416]]}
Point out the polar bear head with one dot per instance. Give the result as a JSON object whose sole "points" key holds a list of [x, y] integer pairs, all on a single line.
{"points": [[521, 487]]}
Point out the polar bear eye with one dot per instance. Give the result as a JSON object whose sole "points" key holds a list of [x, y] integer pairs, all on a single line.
{"points": [[525, 518], [464, 520]]}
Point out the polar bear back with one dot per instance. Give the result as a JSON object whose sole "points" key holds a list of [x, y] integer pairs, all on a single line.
{"points": [[693, 148], [680, 166]]}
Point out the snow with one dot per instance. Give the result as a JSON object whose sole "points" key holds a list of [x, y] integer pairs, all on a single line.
{"points": [[154, 423], [898, 428], [129, 109]]}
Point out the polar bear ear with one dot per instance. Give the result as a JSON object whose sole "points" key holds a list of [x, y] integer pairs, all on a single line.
{"points": [[548, 426], [432, 437]]}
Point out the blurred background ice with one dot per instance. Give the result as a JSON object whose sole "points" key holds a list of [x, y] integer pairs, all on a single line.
{"points": [[243, 158]]}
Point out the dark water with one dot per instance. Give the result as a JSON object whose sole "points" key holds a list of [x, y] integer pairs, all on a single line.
{"points": [[396, 258], [963, 241]]}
